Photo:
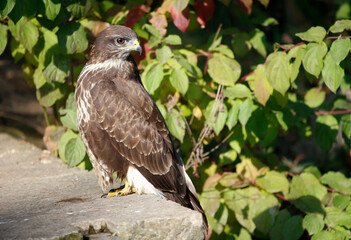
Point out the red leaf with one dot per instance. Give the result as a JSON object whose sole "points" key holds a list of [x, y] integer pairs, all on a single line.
{"points": [[244, 5], [181, 20], [159, 21], [204, 10], [135, 14]]}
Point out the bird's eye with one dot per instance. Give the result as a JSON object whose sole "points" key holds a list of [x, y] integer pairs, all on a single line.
{"points": [[120, 40]]}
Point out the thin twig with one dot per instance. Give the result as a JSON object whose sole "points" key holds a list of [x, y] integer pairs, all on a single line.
{"points": [[219, 144], [188, 129], [196, 155], [337, 112], [340, 192]]}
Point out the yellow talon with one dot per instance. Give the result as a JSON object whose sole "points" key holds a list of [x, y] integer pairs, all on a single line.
{"points": [[126, 190]]}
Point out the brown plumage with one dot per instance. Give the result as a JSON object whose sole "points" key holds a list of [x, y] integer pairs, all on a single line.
{"points": [[121, 126]]}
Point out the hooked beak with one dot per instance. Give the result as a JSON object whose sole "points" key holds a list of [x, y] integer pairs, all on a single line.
{"points": [[134, 47], [137, 47]]}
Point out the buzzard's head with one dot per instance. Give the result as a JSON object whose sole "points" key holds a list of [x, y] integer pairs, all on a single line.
{"points": [[115, 42]]}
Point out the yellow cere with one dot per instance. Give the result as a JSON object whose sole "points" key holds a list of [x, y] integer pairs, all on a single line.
{"points": [[136, 43]]}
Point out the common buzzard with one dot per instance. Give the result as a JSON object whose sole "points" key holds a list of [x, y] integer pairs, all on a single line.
{"points": [[122, 129]]}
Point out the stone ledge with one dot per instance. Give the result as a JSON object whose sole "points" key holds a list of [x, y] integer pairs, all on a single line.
{"points": [[41, 198]]}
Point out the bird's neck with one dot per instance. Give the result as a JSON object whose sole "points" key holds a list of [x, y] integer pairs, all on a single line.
{"points": [[112, 68]]}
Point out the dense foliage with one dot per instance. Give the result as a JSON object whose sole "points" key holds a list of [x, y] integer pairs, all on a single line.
{"points": [[264, 128]]}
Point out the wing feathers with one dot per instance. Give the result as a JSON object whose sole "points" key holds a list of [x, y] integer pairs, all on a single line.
{"points": [[132, 129]]}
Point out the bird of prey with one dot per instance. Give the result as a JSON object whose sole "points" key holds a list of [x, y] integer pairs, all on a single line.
{"points": [[123, 130]]}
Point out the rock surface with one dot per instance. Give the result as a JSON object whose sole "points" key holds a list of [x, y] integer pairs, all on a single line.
{"points": [[41, 198]]}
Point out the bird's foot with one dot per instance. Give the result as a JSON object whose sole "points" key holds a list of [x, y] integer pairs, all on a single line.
{"points": [[119, 192]]}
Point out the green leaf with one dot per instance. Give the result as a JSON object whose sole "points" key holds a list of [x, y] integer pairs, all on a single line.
{"points": [[180, 5], [151, 29], [245, 111], [313, 170], [276, 232], [332, 73], [241, 44], [269, 21], [337, 217], [233, 114], [278, 71], [314, 34], [325, 131], [310, 204], [257, 124], [216, 115], [58, 69], [3, 37], [63, 142], [337, 181], [163, 54], [222, 214], [210, 200], [259, 83], [72, 38], [153, 41], [172, 39], [162, 109], [190, 56], [17, 50], [273, 182], [314, 97], [263, 212], [239, 202], [224, 70], [49, 93], [24, 8], [326, 235], [237, 140], [215, 226], [243, 234], [6, 7], [306, 184], [69, 118], [38, 77], [272, 130], [176, 124], [227, 158], [25, 32], [179, 80], [339, 49], [74, 151], [295, 67], [281, 99], [341, 201], [78, 8], [152, 77], [312, 60], [313, 223], [230, 179], [340, 26], [52, 9], [258, 41], [346, 126], [70, 102], [237, 91], [293, 228], [225, 50], [190, 67], [50, 47]]}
